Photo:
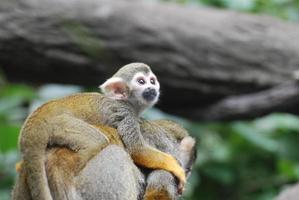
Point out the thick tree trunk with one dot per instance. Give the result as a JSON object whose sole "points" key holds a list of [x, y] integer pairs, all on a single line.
{"points": [[212, 64]]}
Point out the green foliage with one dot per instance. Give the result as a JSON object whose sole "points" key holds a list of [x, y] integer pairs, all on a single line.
{"points": [[285, 9], [13, 101], [11, 138], [13, 98], [7, 173], [246, 160]]}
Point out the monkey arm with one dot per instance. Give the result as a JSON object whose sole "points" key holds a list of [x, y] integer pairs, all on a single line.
{"points": [[121, 115], [155, 159], [142, 153], [160, 183]]}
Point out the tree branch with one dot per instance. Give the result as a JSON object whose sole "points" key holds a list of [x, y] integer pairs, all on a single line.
{"points": [[208, 61]]}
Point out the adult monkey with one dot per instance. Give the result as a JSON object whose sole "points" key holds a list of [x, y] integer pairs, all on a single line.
{"points": [[111, 174]]}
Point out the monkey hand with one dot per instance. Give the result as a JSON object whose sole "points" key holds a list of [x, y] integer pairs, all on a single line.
{"points": [[181, 188], [181, 176], [175, 168], [155, 159]]}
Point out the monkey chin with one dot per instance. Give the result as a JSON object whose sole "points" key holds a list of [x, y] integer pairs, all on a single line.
{"points": [[150, 100], [148, 103]]}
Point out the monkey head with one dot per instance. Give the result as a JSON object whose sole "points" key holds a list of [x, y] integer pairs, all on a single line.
{"points": [[135, 83]]}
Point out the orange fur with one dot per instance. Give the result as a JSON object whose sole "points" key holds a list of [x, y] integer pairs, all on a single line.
{"points": [[19, 166], [163, 161], [154, 194], [111, 134]]}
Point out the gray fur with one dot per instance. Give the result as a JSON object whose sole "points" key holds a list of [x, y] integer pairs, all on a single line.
{"points": [[111, 175], [163, 180], [128, 71]]}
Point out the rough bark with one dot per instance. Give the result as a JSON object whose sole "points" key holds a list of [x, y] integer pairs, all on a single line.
{"points": [[212, 64]]}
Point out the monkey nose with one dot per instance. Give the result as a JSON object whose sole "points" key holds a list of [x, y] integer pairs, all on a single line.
{"points": [[149, 94]]}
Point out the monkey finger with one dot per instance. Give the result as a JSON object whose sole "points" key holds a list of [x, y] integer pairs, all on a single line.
{"points": [[181, 184], [180, 174], [181, 188]]}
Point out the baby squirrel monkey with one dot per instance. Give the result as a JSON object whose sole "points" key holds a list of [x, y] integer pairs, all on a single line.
{"points": [[71, 122]]}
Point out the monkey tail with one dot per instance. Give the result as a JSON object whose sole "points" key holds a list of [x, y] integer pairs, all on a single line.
{"points": [[37, 178], [33, 143]]}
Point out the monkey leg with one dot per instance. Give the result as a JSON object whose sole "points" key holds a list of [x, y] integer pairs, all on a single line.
{"points": [[21, 190], [77, 135], [61, 168], [81, 137], [161, 185], [63, 130]]}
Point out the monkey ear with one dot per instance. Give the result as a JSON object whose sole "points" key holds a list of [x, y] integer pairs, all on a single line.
{"points": [[115, 88]]}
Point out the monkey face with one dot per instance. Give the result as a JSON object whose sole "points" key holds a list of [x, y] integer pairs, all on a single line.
{"points": [[135, 83], [145, 88]]}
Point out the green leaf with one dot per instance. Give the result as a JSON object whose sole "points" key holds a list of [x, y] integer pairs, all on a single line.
{"points": [[8, 137], [289, 168], [22, 91], [220, 172], [274, 122], [255, 137], [212, 148], [288, 145]]}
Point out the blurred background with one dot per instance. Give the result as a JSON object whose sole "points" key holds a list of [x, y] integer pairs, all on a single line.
{"points": [[227, 70]]}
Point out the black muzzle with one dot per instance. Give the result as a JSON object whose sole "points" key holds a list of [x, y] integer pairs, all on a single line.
{"points": [[149, 94]]}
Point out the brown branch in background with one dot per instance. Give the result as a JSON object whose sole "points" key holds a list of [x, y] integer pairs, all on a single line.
{"points": [[281, 98], [212, 64]]}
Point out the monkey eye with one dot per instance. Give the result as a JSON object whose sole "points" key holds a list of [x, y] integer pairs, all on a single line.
{"points": [[153, 81], [141, 81]]}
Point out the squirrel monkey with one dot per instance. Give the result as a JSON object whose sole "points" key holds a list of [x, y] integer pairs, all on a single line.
{"points": [[71, 122], [111, 174]]}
